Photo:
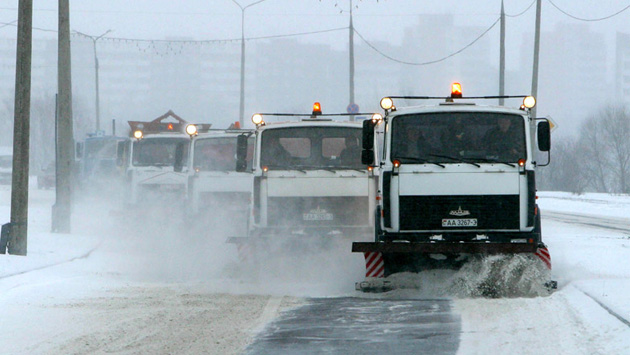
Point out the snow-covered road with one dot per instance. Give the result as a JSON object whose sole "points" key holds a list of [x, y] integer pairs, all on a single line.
{"points": [[158, 290]]}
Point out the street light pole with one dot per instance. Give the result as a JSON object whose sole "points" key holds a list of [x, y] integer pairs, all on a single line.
{"points": [[351, 60], [242, 103], [97, 98]]}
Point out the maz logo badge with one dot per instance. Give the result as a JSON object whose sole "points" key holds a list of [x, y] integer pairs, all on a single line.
{"points": [[459, 212]]}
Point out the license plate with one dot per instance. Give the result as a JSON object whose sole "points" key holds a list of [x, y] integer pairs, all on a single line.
{"points": [[460, 222], [317, 216]]}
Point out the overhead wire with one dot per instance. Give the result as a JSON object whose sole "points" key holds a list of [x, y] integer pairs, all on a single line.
{"points": [[4, 24], [587, 19], [431, 61], [522, 12]]}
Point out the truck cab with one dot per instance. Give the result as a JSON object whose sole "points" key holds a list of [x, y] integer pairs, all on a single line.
{"points": [[308, 179], [150, 160], [215, 188]]}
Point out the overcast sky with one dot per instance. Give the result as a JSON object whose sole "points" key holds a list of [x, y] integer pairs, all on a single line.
{"points": [[375, 19]]}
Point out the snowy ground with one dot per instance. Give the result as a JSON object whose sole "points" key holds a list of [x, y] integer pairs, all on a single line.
{"points": [[119, 285]]}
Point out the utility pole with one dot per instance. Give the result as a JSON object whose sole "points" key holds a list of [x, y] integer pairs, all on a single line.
{"points": [[17, 240], [502, 58], [351, 59], [536, 54], [96, 67], [65, 137]]}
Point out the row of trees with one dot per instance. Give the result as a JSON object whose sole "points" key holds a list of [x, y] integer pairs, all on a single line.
{"points": [[597, 160]]}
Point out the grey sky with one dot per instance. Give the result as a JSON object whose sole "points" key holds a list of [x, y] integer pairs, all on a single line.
{"points": [[377, 20]]}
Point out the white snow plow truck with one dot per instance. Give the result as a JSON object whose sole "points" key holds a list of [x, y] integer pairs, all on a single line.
{"points": [[309, 185], [217, 193], [457, 183], [150, 160]]}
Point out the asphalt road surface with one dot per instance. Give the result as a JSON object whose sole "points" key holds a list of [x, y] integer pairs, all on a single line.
{"points": [[362, 326]]}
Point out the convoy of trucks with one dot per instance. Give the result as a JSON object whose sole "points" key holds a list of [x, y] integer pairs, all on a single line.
{"points": [[418, 188]]}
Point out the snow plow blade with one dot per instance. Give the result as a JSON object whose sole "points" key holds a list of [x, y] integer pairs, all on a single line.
{"points": [[443, 248]]}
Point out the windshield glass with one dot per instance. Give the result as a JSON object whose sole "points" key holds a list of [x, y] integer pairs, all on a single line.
{"points": [[219, 154], [158, 151], [452, 137], [312, 148]]}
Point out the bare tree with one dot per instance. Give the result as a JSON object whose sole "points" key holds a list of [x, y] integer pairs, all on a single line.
{"points": [[615, 123], [563, 174], [595, 162]]}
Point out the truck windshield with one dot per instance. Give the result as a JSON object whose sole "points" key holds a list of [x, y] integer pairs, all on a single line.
{"points": [[219, 154], [157, 151], [306, 148], [451, 137]]}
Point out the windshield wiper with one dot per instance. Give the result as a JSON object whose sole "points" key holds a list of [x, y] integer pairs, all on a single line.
{"points": [[286, 167], [485, 160], [462, 160], [421, 161], [348, 167]]}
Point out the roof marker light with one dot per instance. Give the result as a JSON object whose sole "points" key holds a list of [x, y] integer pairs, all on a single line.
{"points": [[377, 118], [138, 134], [317, 109], [456, 90], [396, 163], [387, 103]]}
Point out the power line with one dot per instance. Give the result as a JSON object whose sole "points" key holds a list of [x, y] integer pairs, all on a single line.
{"points": [[432, 61], [524, 11], [75, 33], [587, 19]]}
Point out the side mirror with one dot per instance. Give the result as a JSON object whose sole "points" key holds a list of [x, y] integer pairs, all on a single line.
{"points": [[78, 151], [368, 134], [179, 157], [544, 136], [241, 153], [367, 157]]}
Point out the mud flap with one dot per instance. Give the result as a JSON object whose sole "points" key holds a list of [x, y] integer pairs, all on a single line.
{"points": [[374, 274]]}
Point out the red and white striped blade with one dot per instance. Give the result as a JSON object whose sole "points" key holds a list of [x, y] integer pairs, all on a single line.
{"points": [[374, 264], [544, 255]]}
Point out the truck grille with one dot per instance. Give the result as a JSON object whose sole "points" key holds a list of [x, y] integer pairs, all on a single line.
{"points": [[491, 211], [317, 211]]}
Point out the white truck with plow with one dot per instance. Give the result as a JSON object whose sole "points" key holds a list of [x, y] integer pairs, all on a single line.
{"points": [[457, 184], [150, 160], [309, 186], [218, 195]]}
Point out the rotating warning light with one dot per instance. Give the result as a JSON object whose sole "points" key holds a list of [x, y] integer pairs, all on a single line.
{"points": [[317, 109], [529, 101], [137, 134], [191, 129], [387, 103], [257, 119], [169, 126], [456, 90]]}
